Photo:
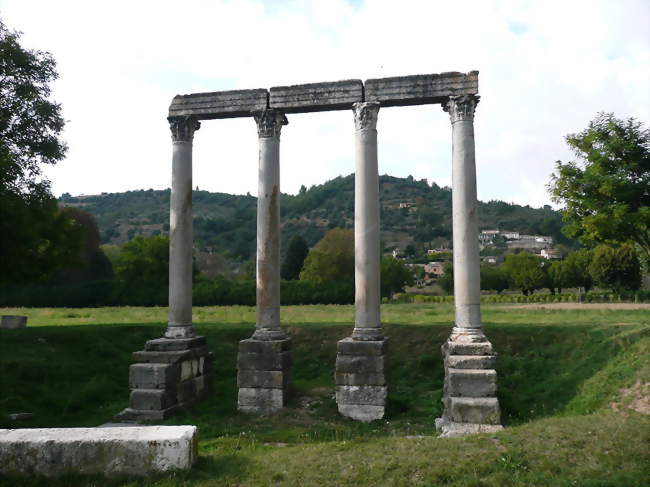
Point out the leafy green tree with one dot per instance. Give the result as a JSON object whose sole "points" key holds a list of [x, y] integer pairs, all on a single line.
{"points": [[446, 281], [332, 259], [577, 268], [617, 268], [559, 275], [493, 278], [524, 272], [605, 192], [294, 258], [36, 238], [394, 276], [144, 262], [90, 263]]}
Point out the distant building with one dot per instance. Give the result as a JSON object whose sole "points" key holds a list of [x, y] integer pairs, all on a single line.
{"points": [[435, 268], [550, 254], [509, 235], [492, 259], [407, 204], [396, 253]]}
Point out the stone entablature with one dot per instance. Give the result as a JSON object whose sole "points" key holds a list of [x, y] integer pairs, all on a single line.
{"points": [[421, 89]]}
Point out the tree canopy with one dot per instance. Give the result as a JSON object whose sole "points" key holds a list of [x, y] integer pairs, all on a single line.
{"points": [[332, 259], [294, 258], [35, 236], [606, 191]]}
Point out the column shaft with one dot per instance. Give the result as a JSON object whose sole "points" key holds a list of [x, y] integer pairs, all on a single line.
{"points": [[268, 227], [180, 231], [467, 288], [366, 225]]}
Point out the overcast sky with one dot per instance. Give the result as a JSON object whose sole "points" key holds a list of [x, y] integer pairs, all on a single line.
{"points": [[546, 68]]}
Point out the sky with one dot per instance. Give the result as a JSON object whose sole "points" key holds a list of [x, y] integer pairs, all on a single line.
{"points": [[546, 68]]}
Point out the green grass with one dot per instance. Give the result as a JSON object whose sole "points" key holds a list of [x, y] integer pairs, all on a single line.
{"points": [[559, 371]]}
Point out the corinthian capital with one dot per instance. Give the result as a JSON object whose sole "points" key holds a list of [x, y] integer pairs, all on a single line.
{"points": [[365, 115], [269, 123], [183, 128], [461, 107]]}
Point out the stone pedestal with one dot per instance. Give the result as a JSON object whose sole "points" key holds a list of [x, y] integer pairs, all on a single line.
{"points": [[361, 385], [469, 394], [13, 321], [469, 399], [169, 374], [263, 375]]}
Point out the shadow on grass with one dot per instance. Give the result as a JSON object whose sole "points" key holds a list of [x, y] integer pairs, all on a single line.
{"points": [[78, 375]]}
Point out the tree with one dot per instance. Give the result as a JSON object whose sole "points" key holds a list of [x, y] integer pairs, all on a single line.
{"points": [[144, 262], [606, 192], [559, 275], [577, 268], [616, 267], [493, 278], [394, 276], [446, 281], [332, 259], [295, 258], [35, 236], [524, 272]]}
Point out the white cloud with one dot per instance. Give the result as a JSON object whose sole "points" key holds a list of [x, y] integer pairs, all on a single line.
{"points": [[546, 69]]}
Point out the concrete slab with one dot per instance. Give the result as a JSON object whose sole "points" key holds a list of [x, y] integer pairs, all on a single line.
{"points": [[136, 450], [13, 321]]}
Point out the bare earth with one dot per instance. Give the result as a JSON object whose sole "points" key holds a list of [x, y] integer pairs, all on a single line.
{"points": [[582, 306]]}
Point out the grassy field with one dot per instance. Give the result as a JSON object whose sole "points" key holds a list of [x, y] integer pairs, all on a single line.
{"points": [[570, 387]]}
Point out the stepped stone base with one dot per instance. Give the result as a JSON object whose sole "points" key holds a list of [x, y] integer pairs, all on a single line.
{"points": [[171, 373], [263, 375], [469, 394], [361, 385]]}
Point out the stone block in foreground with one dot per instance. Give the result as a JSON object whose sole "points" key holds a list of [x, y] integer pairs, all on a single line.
{"points": [[263, 375], [12, 321], [361, 385], [138, 450], [469, 394], [171, 373]]}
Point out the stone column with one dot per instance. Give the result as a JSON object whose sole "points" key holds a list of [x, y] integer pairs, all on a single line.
{"points": [[264, 360], [180, 230], [361, 387], [469, 396], [173, 371]]}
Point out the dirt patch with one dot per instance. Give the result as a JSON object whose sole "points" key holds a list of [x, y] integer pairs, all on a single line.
{"points": [[581, 306], [636, 398]]}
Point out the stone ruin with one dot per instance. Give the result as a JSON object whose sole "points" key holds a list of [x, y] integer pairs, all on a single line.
{"points": [[174, 370]]}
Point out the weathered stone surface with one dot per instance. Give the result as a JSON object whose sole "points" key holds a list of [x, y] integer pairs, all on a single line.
{"points": [[477, 410], [349, 346], [360, 379], [174, 344], [219, 104], [471, 361], [264, 361], [271, 379], [130, 414], [13, 321], [372, 395], [314, 97], [151, 399], [111, 451], [251, 345], [471, 382], [259, 400], [449, 429], [153, 376], [169, 357], [420, 89], [456, 348], [362, 412], [359, 364]]}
